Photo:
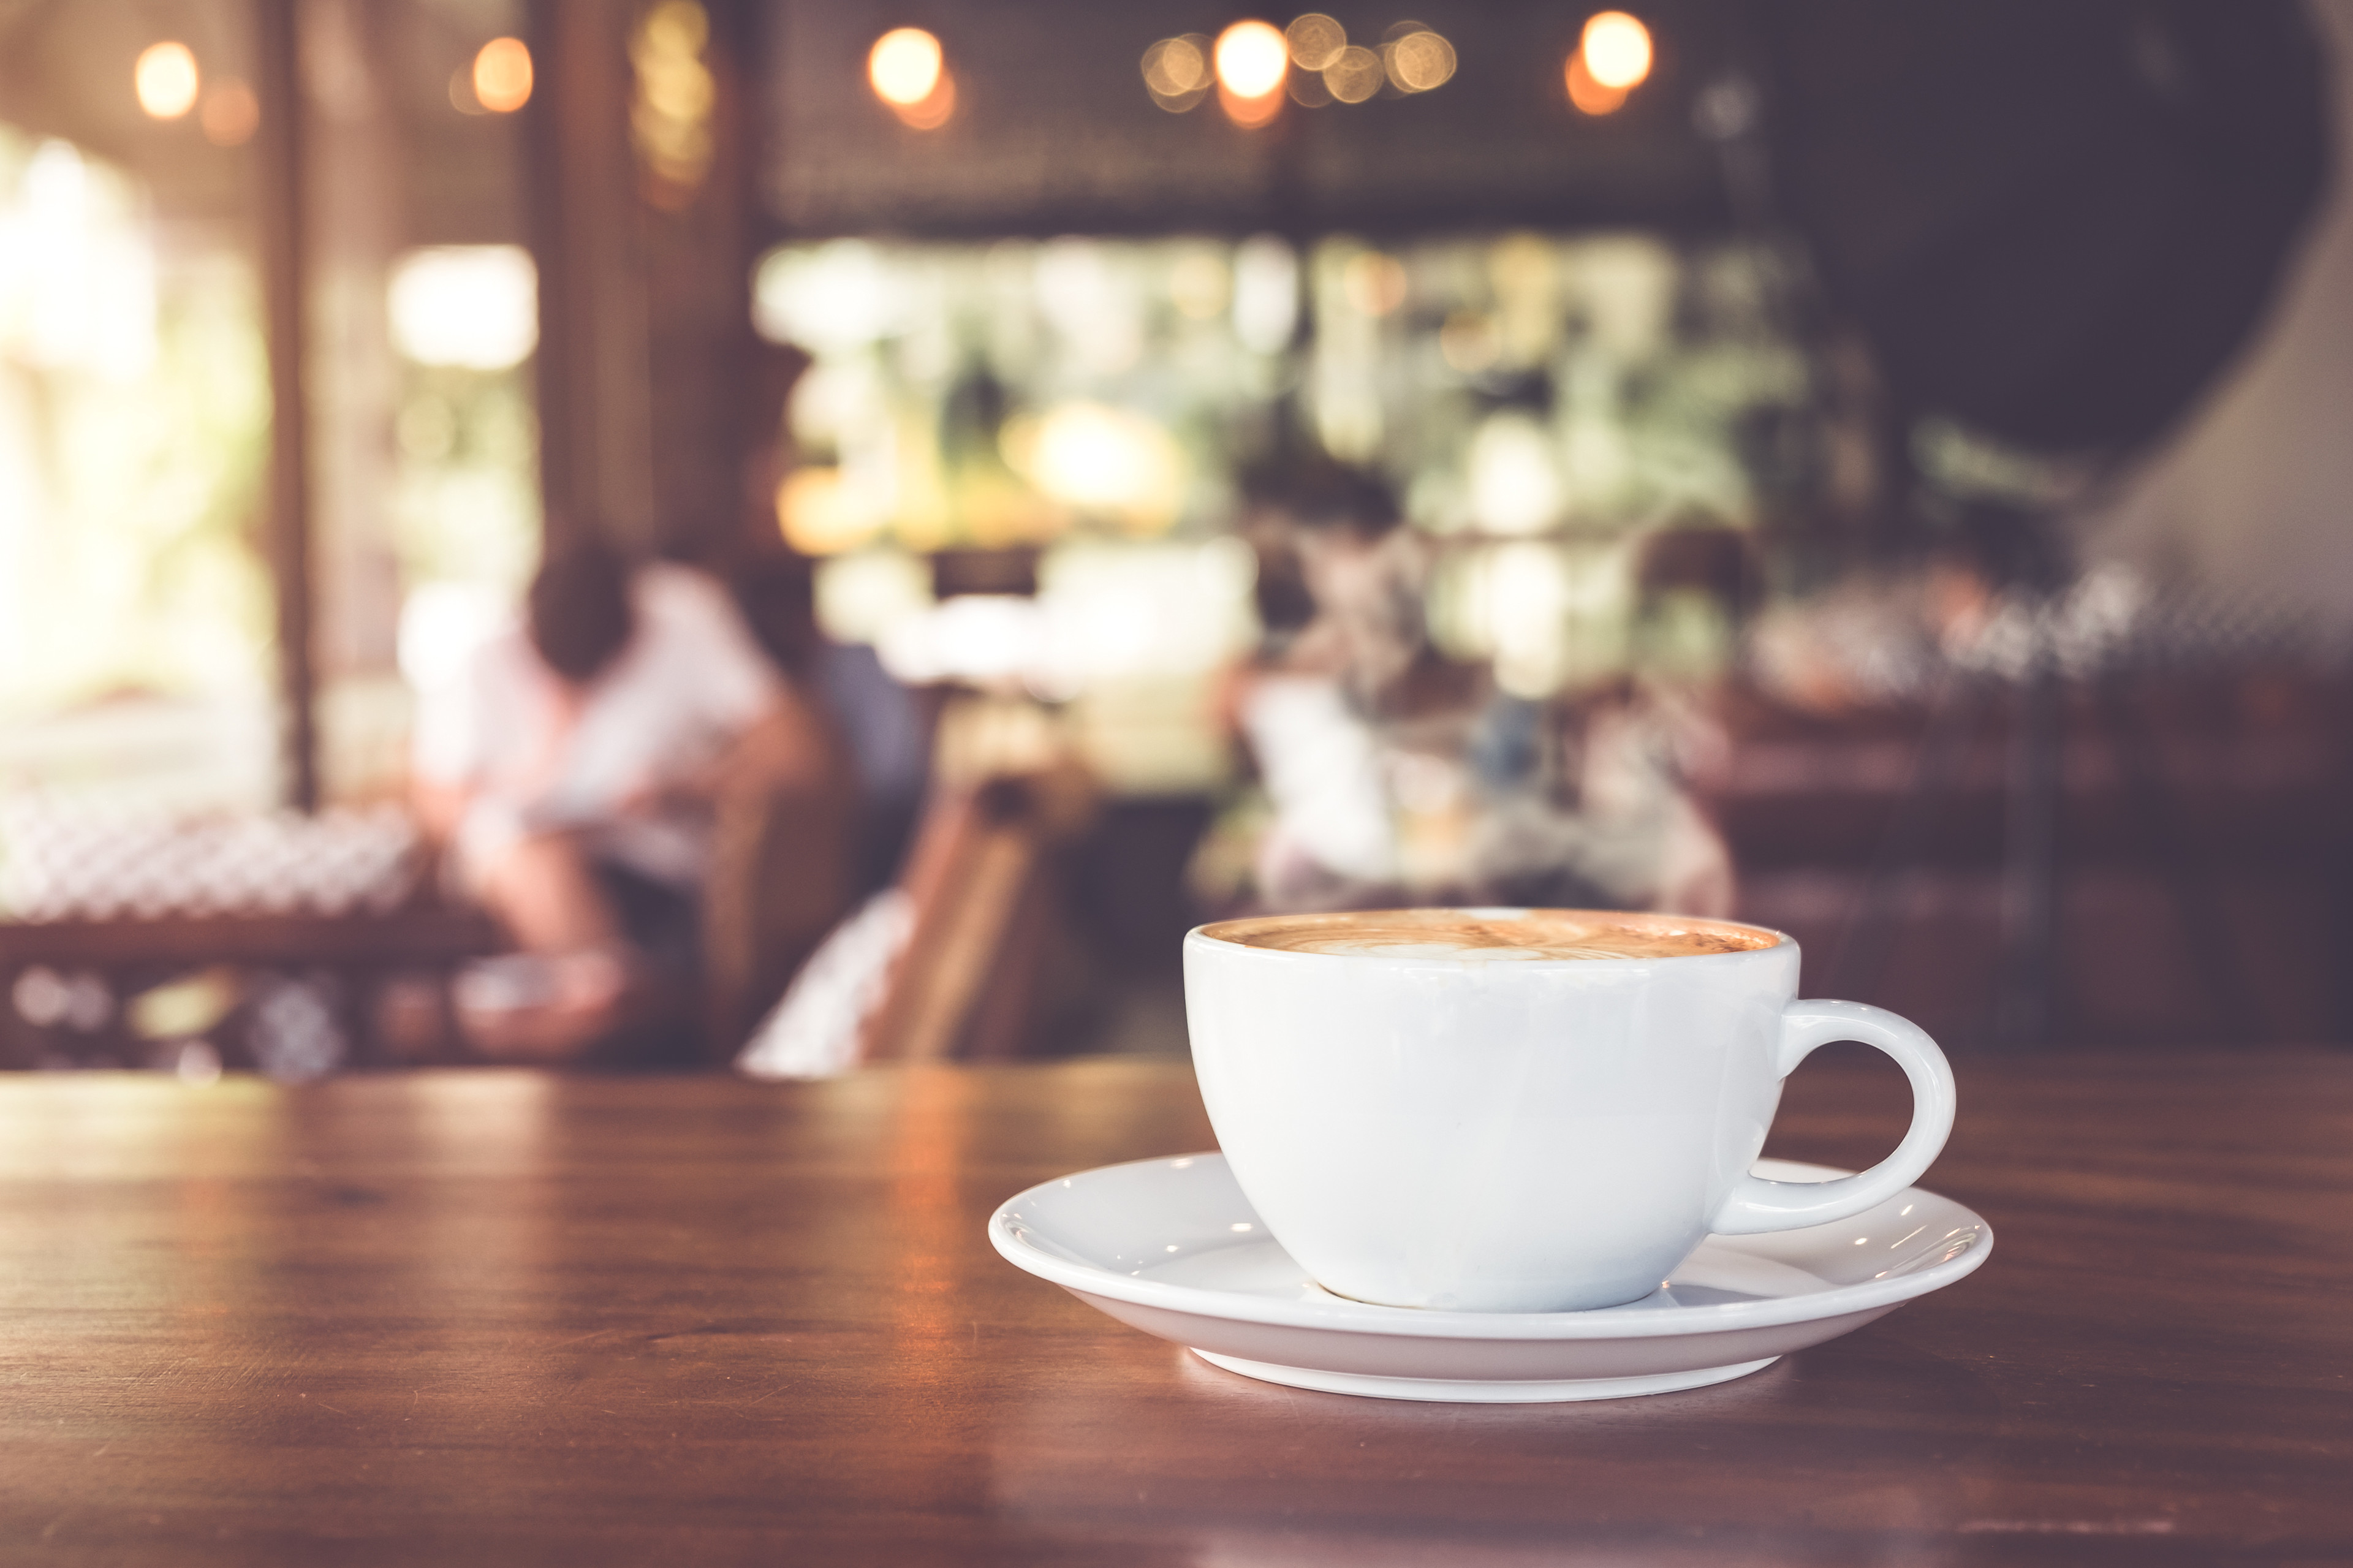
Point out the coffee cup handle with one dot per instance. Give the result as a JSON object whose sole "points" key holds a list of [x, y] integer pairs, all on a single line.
{"points": [[1757, 1204]]}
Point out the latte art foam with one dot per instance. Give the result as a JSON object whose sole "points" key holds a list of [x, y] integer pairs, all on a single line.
{"points": [[1493, 934]]}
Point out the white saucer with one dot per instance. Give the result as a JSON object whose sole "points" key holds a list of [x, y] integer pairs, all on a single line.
{"points": [[1172, 1247]]}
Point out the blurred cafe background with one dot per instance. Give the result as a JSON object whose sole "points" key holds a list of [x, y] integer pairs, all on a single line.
{"points": [[778, 535]]}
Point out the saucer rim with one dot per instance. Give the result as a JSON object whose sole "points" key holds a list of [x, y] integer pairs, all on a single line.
{"points": [[1483, 1390], [1339, 1313]]}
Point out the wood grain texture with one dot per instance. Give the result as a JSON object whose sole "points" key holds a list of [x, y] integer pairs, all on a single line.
{"points": [[498, 1318]]}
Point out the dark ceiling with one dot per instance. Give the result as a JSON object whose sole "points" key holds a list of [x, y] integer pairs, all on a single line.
{"points": [[1054, 132], [66, 70]]}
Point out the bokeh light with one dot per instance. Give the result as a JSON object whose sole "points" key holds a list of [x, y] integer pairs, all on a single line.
{"points": [[1589, 95], [1177, 72], [1101, 461], [1374, 284], [1316, 40], [166, 79], [822, 513], [503, 76], [1251, 59], [1266, 293], [1617, 50], [670, 111], [231, 114], [904, 65], [935, 108], [471, 305], [1250, 113], [1354, 75], [1419, 61], [1200, 284], [1469, 342]]}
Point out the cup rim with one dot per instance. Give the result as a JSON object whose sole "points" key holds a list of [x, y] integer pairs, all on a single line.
{"points": [[1781, 939]]}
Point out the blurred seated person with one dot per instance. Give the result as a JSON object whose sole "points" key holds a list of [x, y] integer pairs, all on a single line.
{"points": [[1345, 685], [1392, 774], [885, 731], [572, 773]]}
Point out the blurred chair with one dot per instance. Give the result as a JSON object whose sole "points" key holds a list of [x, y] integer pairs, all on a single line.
{"points": [[989, 956], [784, 872]]}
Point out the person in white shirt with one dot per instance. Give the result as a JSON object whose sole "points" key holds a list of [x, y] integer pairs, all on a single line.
{"points": [[571, 774]]}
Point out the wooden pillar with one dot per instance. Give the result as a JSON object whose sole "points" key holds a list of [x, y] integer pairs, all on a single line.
{"points": [[280, 157], [644, 286], [699, 253], [594, 440], [356, 199]]}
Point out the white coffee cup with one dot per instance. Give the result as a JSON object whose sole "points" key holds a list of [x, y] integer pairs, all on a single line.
{"points": [[1481, 1130]]}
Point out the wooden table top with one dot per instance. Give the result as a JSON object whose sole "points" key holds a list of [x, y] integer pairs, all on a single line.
{"points": [[500, 1318]]}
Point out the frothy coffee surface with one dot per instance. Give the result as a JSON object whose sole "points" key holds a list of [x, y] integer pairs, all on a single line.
{"points": [[1492, 934]]}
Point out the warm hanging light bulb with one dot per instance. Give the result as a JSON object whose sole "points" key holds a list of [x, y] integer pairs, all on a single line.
{"points": [[1251, 58], [1590, 95], [1617, 50], [165, 79], [503, 75], [904, 65]]}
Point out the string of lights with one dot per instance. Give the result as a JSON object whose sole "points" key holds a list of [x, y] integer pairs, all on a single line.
{"points": [[1253, 67], [169, 82]]}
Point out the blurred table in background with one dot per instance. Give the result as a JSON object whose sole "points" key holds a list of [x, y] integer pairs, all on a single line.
{"points": [[497, 1317], [347, 957]]}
